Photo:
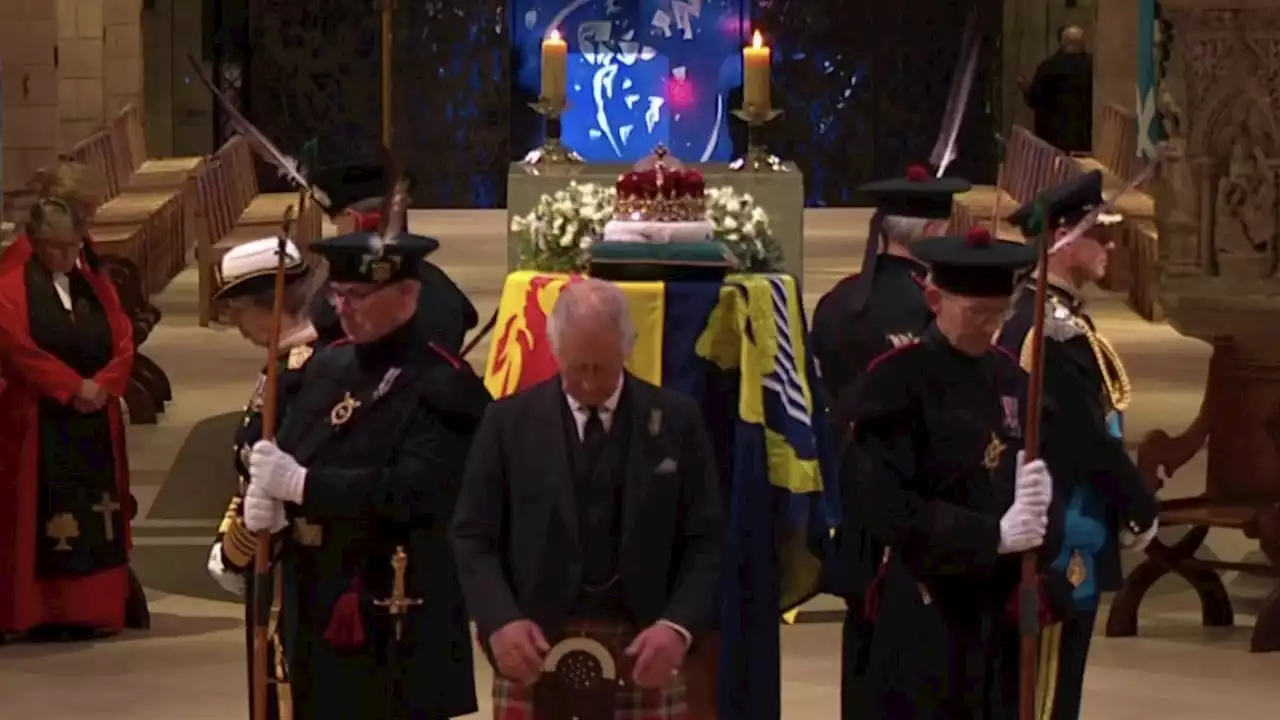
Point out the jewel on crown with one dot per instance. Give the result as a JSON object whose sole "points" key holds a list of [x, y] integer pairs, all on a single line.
{"points": [[659, 189]]}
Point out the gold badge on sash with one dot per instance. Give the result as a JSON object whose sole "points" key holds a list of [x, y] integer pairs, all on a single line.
{"points": [[991, 456], [343, 411], [1076, 570], [298, 357]]}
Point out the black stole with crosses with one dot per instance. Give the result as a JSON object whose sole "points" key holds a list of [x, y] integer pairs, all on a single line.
{"points": [[80, 514]]}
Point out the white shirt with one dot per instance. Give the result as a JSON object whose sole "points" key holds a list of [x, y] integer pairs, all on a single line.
{"points": [[581, 412], [62, 284]]}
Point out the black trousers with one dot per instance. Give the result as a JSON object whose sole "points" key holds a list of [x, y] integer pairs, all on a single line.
{"points": [[1072, 654], [853, 662]]}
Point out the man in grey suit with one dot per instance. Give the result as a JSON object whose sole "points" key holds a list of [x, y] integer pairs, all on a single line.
{"points": [[589, 528]]}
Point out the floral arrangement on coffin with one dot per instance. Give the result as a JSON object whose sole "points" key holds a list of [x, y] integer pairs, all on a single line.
{"points": [[557, 235]]}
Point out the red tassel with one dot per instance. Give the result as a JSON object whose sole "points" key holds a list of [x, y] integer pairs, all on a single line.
{"points": [[346, 631], [871, 606]]}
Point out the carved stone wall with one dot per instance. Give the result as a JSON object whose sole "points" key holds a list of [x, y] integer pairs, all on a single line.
{"points": [[1218, 192]]}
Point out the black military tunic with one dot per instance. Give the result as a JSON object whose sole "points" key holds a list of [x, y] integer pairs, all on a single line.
{"points": [[383, 430], [845, 339], [237, 544], [937, 433]]}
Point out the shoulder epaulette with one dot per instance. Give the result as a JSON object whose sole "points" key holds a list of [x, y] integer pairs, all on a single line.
{"points": [[1060, 323], [299, 356]]}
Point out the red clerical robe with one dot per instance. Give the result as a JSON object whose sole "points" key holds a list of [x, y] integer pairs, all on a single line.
{"points": [[73, 571]]}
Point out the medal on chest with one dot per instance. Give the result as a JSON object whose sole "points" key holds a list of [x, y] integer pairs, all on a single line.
{"points": [[342, 412], [1076, 570], [991, 456]]}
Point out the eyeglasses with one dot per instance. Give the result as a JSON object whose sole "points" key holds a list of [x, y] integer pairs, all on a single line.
{"points": [[353, 295]]}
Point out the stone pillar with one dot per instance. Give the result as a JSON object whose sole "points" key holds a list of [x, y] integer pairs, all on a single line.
{"points": [[28, 48], [1115, 57], [80, 69], [122, 55]]}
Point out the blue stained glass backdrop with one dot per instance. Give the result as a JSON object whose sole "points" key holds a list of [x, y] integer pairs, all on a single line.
{"points": [[641, 72]]}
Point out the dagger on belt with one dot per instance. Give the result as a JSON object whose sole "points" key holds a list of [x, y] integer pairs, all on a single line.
{"points": [[397, 606]]}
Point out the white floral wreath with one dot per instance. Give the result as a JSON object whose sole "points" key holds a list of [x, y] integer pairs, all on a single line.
{"points": [[557, 235]]}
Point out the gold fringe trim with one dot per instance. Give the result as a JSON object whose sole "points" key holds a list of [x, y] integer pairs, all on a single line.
{"points": [[239, 545], [1047, 671], [229, 517]]}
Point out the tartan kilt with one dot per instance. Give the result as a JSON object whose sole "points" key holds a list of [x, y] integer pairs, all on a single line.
{"points": [[512, 701]]}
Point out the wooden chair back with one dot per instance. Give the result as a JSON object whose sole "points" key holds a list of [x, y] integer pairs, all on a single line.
{"points": [[97, 152], [1031, 165], [1117, 148]]}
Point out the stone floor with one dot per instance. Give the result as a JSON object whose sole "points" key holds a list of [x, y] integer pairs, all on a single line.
{"points": [[191, 667]]}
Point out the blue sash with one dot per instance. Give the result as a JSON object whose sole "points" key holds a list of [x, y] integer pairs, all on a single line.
{"points": [[1086, 532]]}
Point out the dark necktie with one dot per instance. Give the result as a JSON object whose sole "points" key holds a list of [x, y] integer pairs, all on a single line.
{"points": [[593, 435]]}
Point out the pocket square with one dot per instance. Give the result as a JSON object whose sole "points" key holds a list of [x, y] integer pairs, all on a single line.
{"points": [[666, 467]]}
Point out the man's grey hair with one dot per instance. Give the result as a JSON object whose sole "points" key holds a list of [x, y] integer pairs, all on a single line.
{"points": [[903, 229], [592, 300]]}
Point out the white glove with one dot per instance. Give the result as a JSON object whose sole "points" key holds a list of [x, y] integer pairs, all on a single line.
{"points": [[263, 512], [1033, 486], [230, 581], [1129, 541], [276, 473], [1022, 528]]}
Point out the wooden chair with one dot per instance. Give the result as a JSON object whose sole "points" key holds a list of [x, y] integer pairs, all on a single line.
{"points": [[146, 172], [1030, 165], [1117, 149], [232, 212]]}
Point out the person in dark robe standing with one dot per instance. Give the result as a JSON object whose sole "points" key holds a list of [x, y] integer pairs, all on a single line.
{"points": [[1086, 384], [365, 470], [246, 294], [355, 198], [1061, 94], [938, 440], [863, 316], [589, 529], [66, 353]]}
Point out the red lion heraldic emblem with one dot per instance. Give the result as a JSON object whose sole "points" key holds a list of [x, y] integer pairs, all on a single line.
{"points": [[522, 354]]}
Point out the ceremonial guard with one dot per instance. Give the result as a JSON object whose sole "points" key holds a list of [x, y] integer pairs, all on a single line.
{"points": [[364, 473], [863, 316], [882, 306], [589, 530], [353, 197], [246, 297], [1086, 386], [937, 427]]}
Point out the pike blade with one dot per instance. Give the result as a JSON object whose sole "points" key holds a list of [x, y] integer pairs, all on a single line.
{"points": [[259, 142], [944, 150]]}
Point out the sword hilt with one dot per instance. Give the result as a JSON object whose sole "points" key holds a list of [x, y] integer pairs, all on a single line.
{"points": [[399, 604]]}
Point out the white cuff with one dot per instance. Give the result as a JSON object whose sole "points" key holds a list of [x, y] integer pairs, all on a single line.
{"points": [[294, 485], [688, 636], [230, 581]]}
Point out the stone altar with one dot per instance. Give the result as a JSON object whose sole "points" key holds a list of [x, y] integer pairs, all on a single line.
{"points": [[781, 194], [1218, 213]]}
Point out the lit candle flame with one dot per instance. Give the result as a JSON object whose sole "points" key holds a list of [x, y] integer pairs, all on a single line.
{"points": [[554, 36], [757, 41]]}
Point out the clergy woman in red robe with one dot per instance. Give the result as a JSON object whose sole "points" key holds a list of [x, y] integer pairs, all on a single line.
{"points": [[66, 352]]}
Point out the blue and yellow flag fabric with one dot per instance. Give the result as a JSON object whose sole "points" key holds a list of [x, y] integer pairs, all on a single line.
{"points": [[1150, 131], [739, 349]]}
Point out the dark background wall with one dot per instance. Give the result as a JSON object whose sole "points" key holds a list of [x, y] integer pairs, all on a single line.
{"points": [[863, 84]]}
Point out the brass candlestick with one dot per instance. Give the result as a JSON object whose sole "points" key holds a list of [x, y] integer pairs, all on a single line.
{"points": [[553, 151], [758, 158]]}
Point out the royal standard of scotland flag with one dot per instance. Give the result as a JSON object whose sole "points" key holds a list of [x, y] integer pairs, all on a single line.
{"points": [[1150, 130]]}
